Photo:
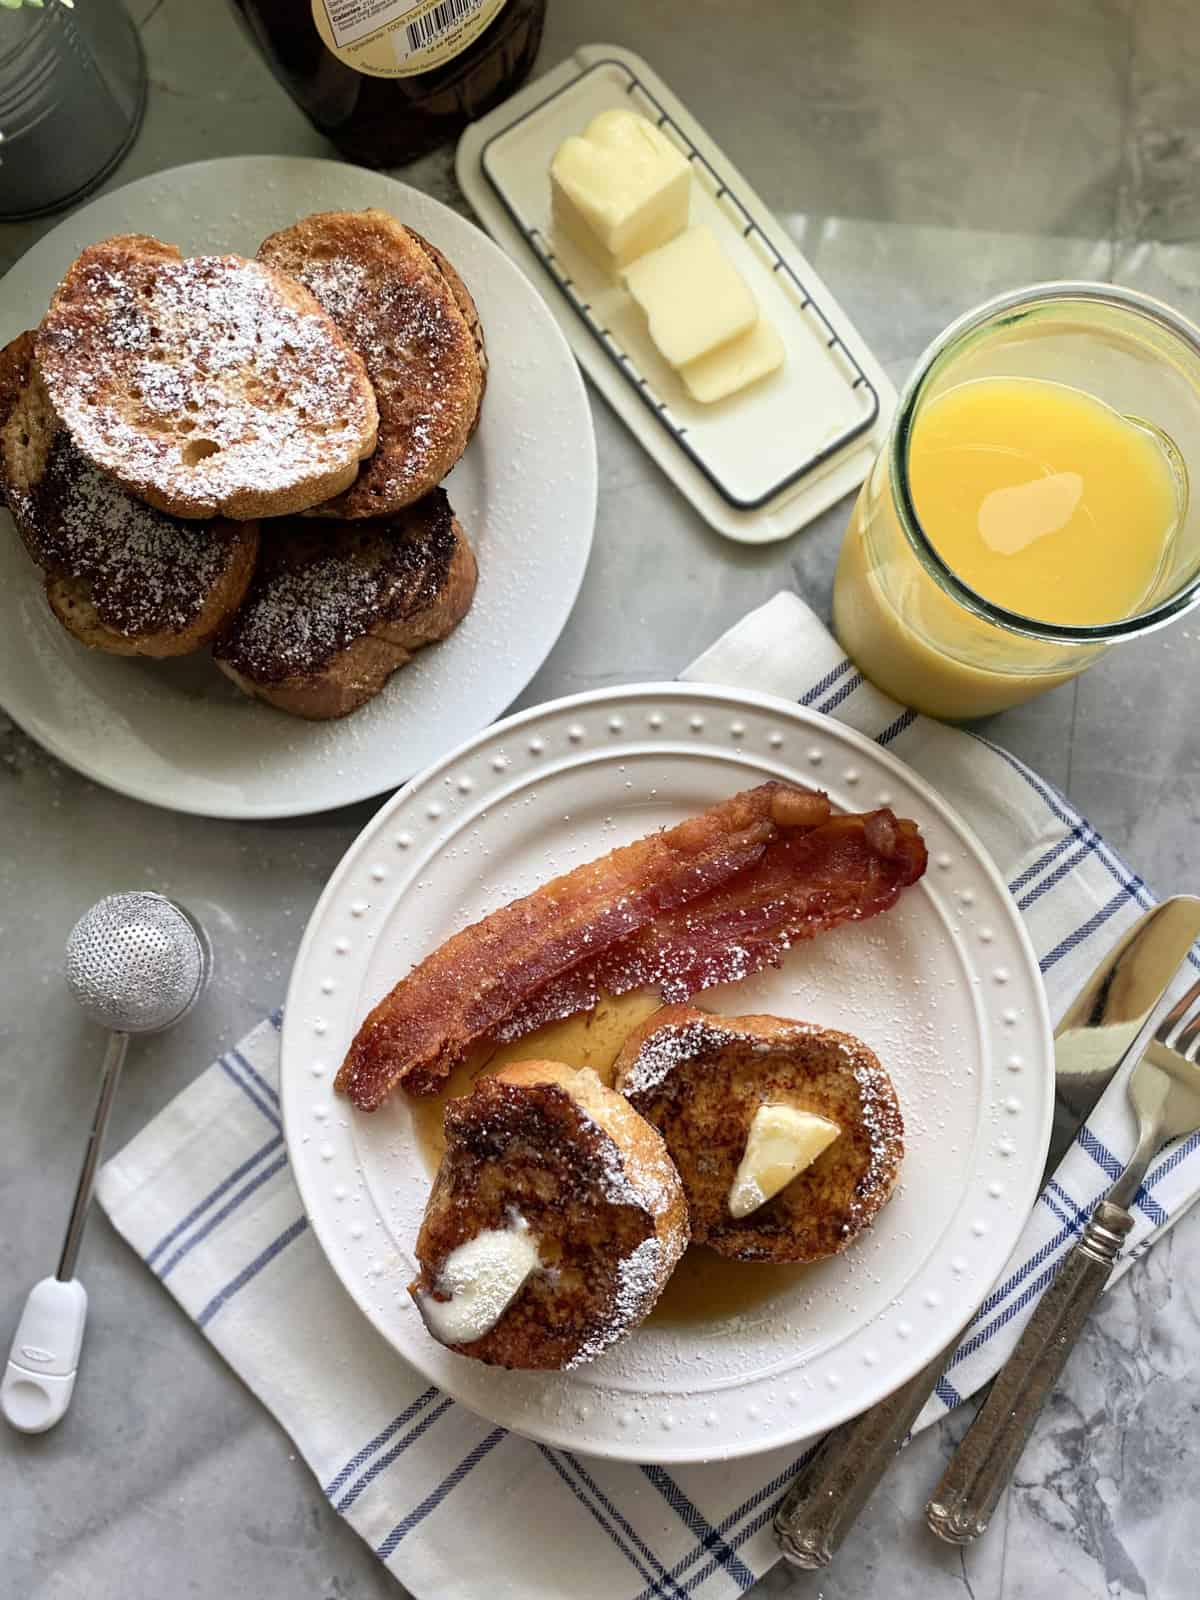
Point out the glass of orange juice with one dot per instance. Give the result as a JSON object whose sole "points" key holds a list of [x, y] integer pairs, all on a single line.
{"points": [[1030, 506]]}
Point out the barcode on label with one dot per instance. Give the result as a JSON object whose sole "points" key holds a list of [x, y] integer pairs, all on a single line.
{"points": [[443, 17]]}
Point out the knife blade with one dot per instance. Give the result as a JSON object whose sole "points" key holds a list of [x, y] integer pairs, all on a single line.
{"points": [[1112, 1018], [1108, 1024]]}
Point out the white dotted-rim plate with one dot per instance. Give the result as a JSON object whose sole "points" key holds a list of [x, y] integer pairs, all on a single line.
{"points": [[177, 733], [944, 987]]}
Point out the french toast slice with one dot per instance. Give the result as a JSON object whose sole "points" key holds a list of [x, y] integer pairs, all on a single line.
{"points": [[207, 386], [548, 1153], [700, 1078], [336, 607], [119, 575], [16, 359], [407, 312]]}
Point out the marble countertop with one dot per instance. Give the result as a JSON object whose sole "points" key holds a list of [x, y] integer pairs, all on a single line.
{"points": [[925, 157]]}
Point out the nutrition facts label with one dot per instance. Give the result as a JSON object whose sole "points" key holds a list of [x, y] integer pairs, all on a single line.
{"points": [[351, 20], [399, 37]]}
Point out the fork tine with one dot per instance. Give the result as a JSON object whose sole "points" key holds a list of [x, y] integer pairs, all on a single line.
{"points": [[1189, 1040], [1176, 1015]]}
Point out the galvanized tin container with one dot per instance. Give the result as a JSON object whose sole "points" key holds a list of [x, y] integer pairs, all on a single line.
{"points": [[72, 91]]}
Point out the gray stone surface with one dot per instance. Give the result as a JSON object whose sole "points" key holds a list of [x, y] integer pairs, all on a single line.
{"points": [[926, 156]]}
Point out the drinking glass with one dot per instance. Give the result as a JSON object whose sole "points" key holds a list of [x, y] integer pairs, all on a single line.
{"points": [[910, 623]]}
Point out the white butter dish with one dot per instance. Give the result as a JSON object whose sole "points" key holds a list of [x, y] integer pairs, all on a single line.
{"points": [[763, 462]]}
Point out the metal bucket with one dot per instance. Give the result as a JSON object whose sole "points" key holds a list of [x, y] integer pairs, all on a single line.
{"points": [[72, 92]]}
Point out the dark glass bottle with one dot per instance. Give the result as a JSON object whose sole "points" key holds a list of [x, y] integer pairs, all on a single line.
{"points": [[336, 72]]}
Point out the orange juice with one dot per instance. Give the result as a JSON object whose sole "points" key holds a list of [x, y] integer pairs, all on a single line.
{"points": [[1043, 499], [1037, 496]]}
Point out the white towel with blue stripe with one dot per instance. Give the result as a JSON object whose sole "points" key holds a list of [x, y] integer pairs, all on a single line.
{"points": [[458, 1508]]}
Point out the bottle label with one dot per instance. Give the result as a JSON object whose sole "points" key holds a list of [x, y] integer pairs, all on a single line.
{"points": [[398, 38]]}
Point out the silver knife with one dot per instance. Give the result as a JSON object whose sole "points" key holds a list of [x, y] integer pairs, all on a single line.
{"points": [[1109, 1023]]}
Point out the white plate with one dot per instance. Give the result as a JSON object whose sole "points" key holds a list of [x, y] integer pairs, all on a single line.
{"points": [[179, 734], [761, 464], [945, 987]]}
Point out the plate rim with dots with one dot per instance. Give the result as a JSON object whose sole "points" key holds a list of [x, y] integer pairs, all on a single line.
{"points": [[600, 1409]]}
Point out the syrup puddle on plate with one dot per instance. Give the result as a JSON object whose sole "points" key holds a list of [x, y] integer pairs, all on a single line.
{"points": [[705, 1287]]}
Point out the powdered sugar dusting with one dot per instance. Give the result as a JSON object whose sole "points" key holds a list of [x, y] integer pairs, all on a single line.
{"points": [[202, 379], [319, 587], [341, 286], [884, 1125], [534, 1157], [148, 572], [636, 1173], [392, 321], [639, 1278], [693, 1039], [301, 619], [643, 1179], [669, 1047], [398, 311]]}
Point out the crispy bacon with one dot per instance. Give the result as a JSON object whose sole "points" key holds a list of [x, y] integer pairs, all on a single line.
{"points": [[472, 984], [850, 869]]}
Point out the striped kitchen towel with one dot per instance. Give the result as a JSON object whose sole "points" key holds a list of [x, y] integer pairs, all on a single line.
{"points": [[456, 1507]]}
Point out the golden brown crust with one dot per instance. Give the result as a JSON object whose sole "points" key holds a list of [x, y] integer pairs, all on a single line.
{"points": [[647, 1164], [336, 608], [73, 601], [121, 576], [700, 1078], [28, 432], [597, 1190], [466, 304], [16, 362], [411, 318], [206, 386]]}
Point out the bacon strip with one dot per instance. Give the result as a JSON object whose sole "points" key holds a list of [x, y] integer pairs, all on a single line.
{"points": [[474, 983], [850, 869]]}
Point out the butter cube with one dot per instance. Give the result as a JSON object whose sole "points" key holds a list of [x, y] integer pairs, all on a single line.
{"points": [[735, 365], [620, 189], [479, 1280], [694, 297], [782, 1141]]}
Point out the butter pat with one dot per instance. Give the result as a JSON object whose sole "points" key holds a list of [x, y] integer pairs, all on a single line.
{"points": [[694, 297], [782, 1141], [735, 365], [620, 189], [480, 1279]]}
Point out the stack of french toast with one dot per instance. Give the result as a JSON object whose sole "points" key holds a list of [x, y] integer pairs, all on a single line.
{"points": [[247, 455]]}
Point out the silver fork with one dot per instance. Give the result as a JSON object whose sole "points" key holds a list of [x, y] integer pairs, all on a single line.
{"points": [[1164, 1091]]}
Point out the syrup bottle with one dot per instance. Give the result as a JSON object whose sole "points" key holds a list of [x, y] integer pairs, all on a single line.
{"points": [[388, 80]]}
